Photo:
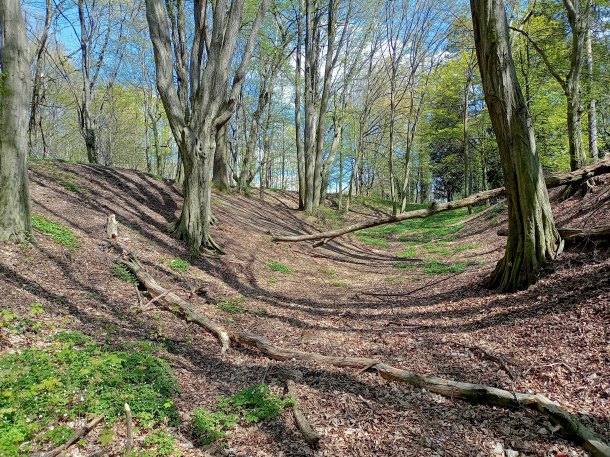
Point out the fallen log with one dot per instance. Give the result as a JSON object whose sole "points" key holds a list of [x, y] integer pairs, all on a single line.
{"points": [[476, 393], [576, 234], [156, 290], [552, 181]]}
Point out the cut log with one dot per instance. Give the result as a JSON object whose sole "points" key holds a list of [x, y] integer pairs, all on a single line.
{"points": [[476, 393], [576, 234], [112, 227], [557, 180], [310, 436]]}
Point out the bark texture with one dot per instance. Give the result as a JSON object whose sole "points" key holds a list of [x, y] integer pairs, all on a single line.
{"points": [[15, 222], [532, 236]]}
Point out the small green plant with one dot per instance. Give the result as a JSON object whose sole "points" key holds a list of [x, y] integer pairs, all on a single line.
{"points": [[464, 247], [44, 389], [434, 267], [272, 280], [232, 305], [121, 271], [329, 271], [155, 176], [278, 267], [160, 443], [251, 405], [58, 233], [437, 248], [409, 253], [36, 309], [339, 283], [179, 265]]}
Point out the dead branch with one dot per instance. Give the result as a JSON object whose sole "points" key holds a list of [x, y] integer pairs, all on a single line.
{"points": [[500, 359], [79, 434], [479, 214], [576, 234], [171, 299], [310, 436], [476, 393], [557, 180], [129, 426]]}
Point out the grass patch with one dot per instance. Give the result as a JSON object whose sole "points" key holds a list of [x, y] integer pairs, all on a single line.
{"points": [[58, 233], [464, 247], [434, 267], [329, 271], [339, 283], [232, 305], [278, 267], [62, 178], [410, 252], [44, 389], [179, 265], [121, 271], [405, 266], [437, 248], [379, 242], [251, 405]]}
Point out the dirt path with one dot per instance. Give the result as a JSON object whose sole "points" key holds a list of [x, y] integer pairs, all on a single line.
{"points": [[345, 298]]}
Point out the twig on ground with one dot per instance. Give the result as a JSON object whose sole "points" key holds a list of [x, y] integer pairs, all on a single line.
{"points": [[79, 434], [310, 436]]}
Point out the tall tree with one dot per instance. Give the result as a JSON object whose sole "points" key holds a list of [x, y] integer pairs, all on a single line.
{"points": [[196, 94], [532, 236], [15, 220]]}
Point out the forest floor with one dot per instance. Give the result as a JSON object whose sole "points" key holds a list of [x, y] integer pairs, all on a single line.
{"points": [[411, 295]]}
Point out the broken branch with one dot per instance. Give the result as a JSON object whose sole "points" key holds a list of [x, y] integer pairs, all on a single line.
{"points": [[79, 434], [310, 436]]}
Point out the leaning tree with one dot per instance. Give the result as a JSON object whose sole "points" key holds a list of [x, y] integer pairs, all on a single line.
{"points": [[193, 80], [15, 220], [532, 236]]}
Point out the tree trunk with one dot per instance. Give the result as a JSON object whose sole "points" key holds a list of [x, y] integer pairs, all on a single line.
{"points": [[532, 238], [592, 111], [15, 222], [220, 178], [297, 111]]}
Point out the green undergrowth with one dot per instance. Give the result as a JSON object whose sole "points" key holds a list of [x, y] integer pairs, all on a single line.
{"points": [[59, 234], [43, 390], [279, 267], [232, 305], [251, 405], [179, 265], [434, 267], [121, 271], [62, 178]]}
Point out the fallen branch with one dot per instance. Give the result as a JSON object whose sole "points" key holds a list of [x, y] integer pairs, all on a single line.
{"points": [[79, 434], [552, 181], [171, 299], [500, 359], [310, 436], [479, 214], [576, 234], [476, 393]]}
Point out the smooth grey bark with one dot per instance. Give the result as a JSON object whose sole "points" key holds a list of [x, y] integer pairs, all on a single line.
{"points": [[15, 220], [193, 83], [220, 179], [532, 236], [297, 109]]}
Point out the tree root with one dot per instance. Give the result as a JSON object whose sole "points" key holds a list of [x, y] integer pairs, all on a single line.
{"points": [[310, 436], [476, 393]]}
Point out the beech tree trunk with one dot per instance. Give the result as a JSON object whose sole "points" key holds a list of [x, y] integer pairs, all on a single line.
{"points": [[532, 236], [15, 222], [592, 111], [220, 178]]}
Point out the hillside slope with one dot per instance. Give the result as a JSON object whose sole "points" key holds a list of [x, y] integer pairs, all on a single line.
{"points": [[411, 295]]}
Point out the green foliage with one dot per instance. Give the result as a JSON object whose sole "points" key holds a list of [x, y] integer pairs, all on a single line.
{"points": [[160, 443], [58, 233], [232, 305], [329, 271], [405, 266], [121, 271], [409, 253], [374, 242], [464, 247], [179, 265], [43, 389], [339, 283], [274, 265], [251, 405], [434, 267]]}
